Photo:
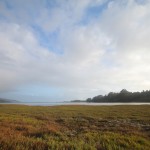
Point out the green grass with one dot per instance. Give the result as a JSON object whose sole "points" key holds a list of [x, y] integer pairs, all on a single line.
{"points": [[74, 127]]}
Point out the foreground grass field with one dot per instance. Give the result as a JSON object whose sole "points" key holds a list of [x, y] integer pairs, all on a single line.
{"points": [[74, 127]]}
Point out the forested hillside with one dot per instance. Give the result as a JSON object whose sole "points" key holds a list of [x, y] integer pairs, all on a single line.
{"points": [[122, 96]]}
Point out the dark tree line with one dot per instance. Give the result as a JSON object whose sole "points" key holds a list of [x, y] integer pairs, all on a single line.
{"points": [[122, 96]]}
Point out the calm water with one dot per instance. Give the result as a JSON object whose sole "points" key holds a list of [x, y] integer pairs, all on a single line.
{"points": [[69, 103]]}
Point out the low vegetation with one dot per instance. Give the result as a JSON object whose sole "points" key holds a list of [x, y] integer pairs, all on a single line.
{"points": [[74, 127]]}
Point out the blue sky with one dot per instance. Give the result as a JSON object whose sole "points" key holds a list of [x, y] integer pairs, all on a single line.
{"points": [[71, 49]]}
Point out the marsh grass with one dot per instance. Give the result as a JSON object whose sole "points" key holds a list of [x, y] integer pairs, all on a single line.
{"points": [[74, 127]]}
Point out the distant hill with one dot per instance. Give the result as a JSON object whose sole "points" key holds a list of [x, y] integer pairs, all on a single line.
{"points": [[2, 100], [123, 96], [77, 101]]}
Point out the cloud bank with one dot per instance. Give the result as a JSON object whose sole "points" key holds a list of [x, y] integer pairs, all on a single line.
{"points": [[71, 49]]}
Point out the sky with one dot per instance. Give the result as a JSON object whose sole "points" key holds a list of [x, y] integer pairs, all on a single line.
{"points": [[60, 50]]}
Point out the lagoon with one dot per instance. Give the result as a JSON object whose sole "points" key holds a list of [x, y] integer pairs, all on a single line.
{"points": [[72, 103]]}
